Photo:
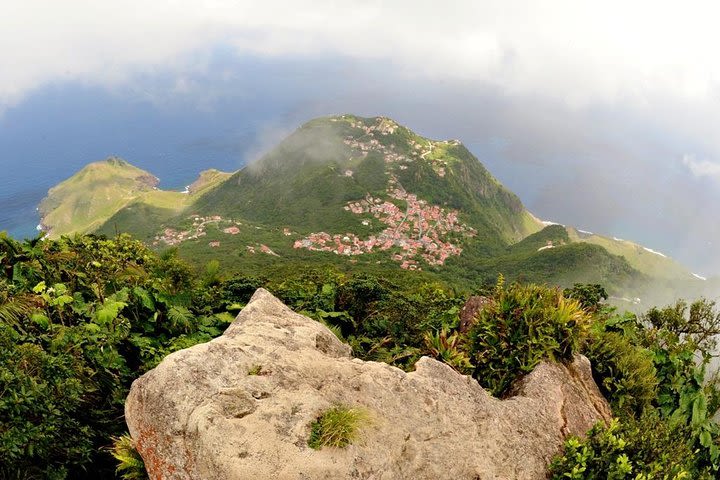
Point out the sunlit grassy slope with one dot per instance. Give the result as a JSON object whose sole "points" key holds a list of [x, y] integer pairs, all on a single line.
{"points": [[101, 191], [643, 259]]}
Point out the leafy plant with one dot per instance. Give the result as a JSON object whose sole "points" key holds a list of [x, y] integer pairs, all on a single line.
{"points": [[641, 449], [623, 371], [447, 348], [523, 325], [130, 464], [683, 340], [338, 427]]}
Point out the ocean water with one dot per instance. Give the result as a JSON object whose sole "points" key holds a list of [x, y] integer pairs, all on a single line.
{"points": [[55, 133], [172, 124]]}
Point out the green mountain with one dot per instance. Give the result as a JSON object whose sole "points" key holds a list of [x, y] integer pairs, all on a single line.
{"points": [[362, 193]]}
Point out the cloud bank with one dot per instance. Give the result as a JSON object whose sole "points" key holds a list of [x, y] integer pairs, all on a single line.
{"points": [[578, 52]]}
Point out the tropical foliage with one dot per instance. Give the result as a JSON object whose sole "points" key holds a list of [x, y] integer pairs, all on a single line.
{"points": [[653, 370], [79, 320], [82, 317], [521, 326]]}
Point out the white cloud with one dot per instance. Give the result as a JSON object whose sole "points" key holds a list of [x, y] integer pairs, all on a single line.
{"points": [[580, 53], [603, 97], [702, 168]]}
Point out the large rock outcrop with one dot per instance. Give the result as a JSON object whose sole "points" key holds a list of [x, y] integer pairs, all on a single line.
{"points": [[201, 415]]}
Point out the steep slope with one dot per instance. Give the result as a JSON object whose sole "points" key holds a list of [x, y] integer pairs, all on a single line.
{"points": [[308, 180], [113, 195]]}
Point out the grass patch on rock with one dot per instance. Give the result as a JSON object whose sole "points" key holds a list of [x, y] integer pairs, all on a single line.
{"points": [[338, 427]]}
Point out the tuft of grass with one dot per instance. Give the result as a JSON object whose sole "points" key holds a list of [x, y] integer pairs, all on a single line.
{"points": [[338, 427], [255, 370], [130, 464]]}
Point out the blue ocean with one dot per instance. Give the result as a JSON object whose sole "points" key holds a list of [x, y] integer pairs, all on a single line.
{"points": [[221, 122], [47, 139], [54, 132]]}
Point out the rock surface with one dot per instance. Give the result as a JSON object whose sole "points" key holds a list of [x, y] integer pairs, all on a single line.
{"points": [[201, 415], [467, 314]]}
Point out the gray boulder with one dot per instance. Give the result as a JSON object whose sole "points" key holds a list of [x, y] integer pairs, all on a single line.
{"points": [[201, 415]]}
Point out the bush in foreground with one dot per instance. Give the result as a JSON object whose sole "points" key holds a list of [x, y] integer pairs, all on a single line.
{"points": [[641, 449], [520, 327]]}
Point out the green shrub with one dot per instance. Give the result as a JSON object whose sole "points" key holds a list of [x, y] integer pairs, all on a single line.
{"points": [[80, 318], [130, 464], [337, 427], [42, 406], [589, 295], [683, 341], [624, 372], [520, 327], [447, 348], [641, 449]]}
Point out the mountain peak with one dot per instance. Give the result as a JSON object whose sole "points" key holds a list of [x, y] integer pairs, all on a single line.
{"points": [[350, 190]]}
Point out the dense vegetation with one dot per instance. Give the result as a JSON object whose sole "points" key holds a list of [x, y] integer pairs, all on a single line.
{"points": [[81, 317], [653, 369], [79, 320]]}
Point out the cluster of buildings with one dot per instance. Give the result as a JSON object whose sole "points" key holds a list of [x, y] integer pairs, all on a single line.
{"points": [[172, 236], [420, 231], [367, 143], [383, 126]]}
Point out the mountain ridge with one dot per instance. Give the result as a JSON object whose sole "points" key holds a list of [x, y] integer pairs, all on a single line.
{"points": [[369, 191]]}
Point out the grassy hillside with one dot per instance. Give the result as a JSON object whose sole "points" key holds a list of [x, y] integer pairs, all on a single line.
{"points": [[549, 257], [84, 201], [643, 259], [114, 196]]}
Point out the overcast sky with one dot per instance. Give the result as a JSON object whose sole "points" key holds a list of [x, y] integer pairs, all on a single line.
{"points": [[603, 115]]}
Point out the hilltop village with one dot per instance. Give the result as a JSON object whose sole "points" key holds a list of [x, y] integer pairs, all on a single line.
{"points": [[414, 230], [384, 126], [420, 231]]}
